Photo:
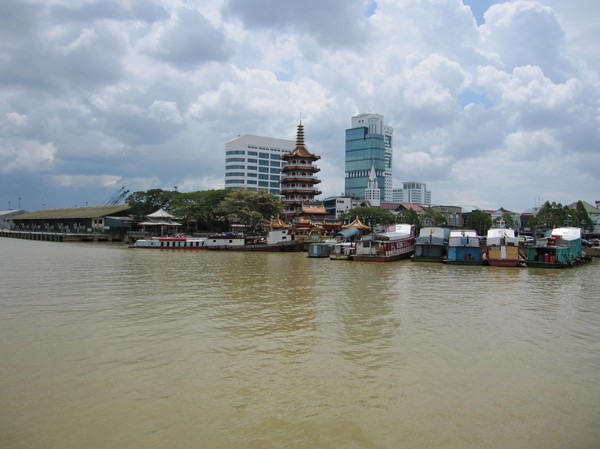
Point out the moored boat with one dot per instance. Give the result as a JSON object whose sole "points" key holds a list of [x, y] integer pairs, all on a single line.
{"points": [[503, 248], [189, 243], [562, 249], [397, 242], [342, 251], [432, 244], [319, 249], [277, 240], [464, 248]]}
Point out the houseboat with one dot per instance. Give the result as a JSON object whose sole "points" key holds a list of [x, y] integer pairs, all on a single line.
{"points": [[432, 244], [562, 249], [503, 248], [277, 240], [464, 248], [190, 243], [397, 242]]}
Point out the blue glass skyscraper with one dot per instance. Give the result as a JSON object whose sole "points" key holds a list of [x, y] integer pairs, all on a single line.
{"points": [[368, 145]]}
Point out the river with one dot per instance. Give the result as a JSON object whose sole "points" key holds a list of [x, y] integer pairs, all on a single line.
{"points": [[108, 347]]}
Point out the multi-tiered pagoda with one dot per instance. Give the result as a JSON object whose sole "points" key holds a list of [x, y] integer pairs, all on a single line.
{"points": [[298, 179]]}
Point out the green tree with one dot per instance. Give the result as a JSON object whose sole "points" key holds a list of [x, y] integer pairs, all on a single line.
{"points": [[201, 207], [412, 217], [371, 216], [250, 207], [480, 221], [145, 203], [580, 218], [433, 218], [551, 215]]}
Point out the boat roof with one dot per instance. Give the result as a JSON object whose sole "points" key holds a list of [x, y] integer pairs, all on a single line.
{"points": [[463, 233], [434, 231], [500, 232], [567, 233]]}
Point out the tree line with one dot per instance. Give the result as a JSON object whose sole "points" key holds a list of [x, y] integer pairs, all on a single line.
{"points": [[216, 210], [209, 210]]}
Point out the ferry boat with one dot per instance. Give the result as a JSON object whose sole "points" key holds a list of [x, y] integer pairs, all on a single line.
{"points": [[277, 240], [464, 248], [397, 242], [189, 243], [503, 248], [432, 244], [562, 249]]}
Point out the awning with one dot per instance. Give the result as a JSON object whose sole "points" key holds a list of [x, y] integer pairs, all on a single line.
{"points": [[347, 233]]}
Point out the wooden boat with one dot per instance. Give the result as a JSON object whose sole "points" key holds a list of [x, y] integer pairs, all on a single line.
{"points": [[277, 240], [187, 243], [464, 248], [503, 248], [432, 244], [397, 242], [562, 249]]}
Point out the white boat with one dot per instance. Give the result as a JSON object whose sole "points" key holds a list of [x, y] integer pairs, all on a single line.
{"points": [[397, 242], [190, 243], [277, 240]]}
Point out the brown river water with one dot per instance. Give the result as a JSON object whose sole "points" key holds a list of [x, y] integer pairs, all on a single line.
{"points": [[102, 346]]}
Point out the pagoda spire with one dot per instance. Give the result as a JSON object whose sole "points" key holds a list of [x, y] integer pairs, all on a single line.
{"points": [[300, 135]]}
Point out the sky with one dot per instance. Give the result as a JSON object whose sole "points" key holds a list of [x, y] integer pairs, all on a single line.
{"points": [[493, 104]]}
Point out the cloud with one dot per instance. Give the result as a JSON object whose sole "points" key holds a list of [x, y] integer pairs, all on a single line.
{"points": [[145, 93], [186, 40], [25, 155]]}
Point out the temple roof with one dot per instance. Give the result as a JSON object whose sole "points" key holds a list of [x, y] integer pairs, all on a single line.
{"points": [[357, 224], [278, 224], [313, 209]]}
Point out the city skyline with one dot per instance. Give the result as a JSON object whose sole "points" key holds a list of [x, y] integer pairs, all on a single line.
{"points": [[493, 104]]}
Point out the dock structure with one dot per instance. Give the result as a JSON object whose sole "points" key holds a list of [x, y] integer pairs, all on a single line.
{"points": [[61, 236]]}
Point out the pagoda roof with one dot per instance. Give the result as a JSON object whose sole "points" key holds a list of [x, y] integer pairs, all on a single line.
{"points": [[160, 213], [279, 224], [313, 209], [300, 150]]}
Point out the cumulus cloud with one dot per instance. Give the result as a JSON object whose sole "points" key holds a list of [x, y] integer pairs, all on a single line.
{"points": [[145, 93], [25, 155]]}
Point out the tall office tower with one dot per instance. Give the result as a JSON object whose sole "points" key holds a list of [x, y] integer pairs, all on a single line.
{"points": [[412, 192], [254, 162], [369, 144], [298, 181]]}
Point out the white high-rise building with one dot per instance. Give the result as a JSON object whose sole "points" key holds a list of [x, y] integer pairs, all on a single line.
{"points": [[254, 162], [412, 192]]}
